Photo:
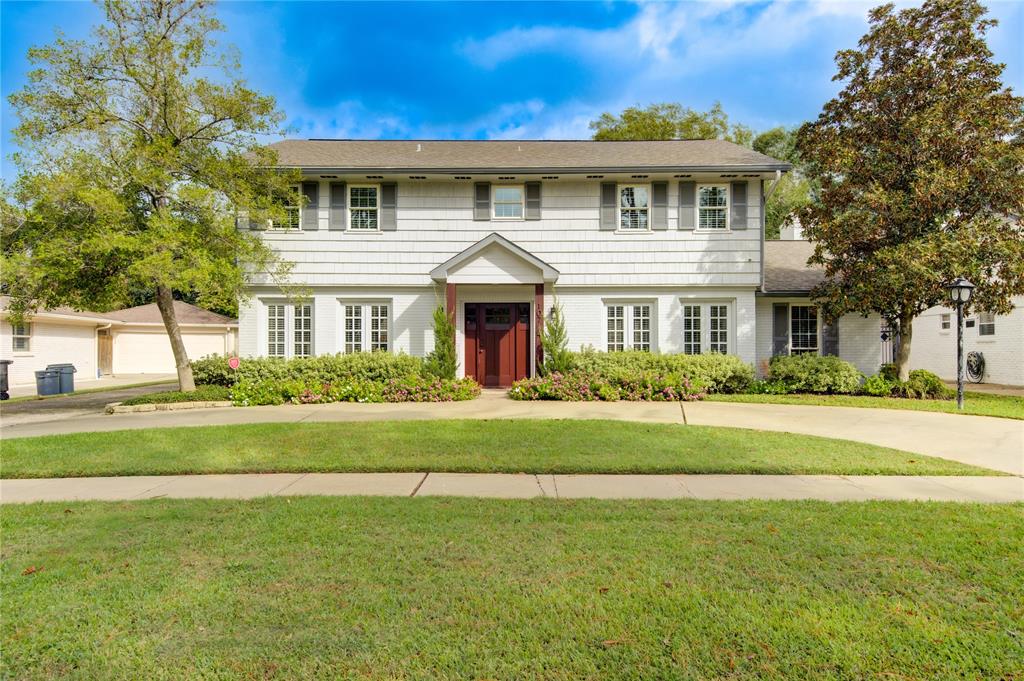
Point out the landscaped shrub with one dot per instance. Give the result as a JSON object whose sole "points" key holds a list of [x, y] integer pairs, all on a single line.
{"points": [[609, 387], [878, 386], [357, 366], [717, 373], [815, 374], [414, 388], [555, 340], [443, 361], [202, 393], [764, 387], [922, 385]]}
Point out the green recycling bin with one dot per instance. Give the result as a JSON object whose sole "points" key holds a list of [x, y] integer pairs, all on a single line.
{"points": [[47, 382], [67, 376]]}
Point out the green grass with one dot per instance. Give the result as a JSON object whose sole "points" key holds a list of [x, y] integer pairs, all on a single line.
{"points": [[510, 446], [978, 404], [488, 589], [105, 389], [202, 393]]}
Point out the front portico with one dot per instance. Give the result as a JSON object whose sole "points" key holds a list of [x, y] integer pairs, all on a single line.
{"points": [[496, 290]]}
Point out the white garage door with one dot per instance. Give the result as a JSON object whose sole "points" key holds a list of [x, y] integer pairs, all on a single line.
{"points": [[150, 353]]}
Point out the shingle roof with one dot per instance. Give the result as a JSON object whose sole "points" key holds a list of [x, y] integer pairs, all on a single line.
{"points": [[522, 156], [786, 268], [186, 314]]}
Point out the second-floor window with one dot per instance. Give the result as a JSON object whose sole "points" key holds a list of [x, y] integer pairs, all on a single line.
{"points": [[363, 206], [629, 327], [634, 207], [292, 211], [508, 202], [712, 206]]}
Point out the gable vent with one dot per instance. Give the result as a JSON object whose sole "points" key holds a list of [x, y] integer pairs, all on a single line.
{"points": [[417, 177], [639, 177], [374, 177], [595, 177]]}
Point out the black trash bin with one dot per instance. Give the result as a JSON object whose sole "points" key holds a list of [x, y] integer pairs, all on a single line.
{"points": [[4, 386], [67, 376], [47, 382]]}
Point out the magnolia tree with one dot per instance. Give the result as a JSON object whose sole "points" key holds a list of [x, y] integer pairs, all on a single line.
{"points": [[920, 163], [137, 146]]}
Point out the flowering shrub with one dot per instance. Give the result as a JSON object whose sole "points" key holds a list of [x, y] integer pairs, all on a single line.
{"points": [[616, 385], [249, 393]]}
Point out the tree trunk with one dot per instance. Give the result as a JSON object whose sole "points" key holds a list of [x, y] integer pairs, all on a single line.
{"points": [[906, 331], [165, 302]]}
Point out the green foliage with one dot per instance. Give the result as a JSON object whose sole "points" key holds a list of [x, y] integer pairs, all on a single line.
{"points": [[918, 162], [202, 393], [358, 366], [670, 121], [555, 340], [716, 373], [815, 374], [136, 147], [763, 387], [411, 388], [443, 361], [920, 385], [878, 386], [615, 385]]}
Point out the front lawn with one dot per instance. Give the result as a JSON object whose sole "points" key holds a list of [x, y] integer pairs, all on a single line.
{"points": [[508, 446], [487, 589], [978, 404]]}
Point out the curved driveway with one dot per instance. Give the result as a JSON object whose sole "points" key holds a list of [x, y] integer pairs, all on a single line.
{"points": [[993, 443]]}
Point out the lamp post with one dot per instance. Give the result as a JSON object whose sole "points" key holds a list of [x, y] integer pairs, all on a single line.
{"points": [[960, 293]]}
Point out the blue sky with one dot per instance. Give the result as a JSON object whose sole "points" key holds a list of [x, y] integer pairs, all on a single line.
{"points": [[515, 70]]}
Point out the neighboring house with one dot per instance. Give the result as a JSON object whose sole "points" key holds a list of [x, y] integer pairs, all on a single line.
{"points": [[1000, 339], [129, 341], [653, 246]]}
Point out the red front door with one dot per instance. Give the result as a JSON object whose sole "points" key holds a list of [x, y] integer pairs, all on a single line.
{"points": [[497, 343]]}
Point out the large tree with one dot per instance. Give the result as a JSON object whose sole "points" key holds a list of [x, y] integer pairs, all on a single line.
{"points": [[921, 167], [136, 147], [794, 190], [670, 122]]}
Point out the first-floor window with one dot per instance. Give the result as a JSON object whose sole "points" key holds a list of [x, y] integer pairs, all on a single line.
{"points": [[639, 326], [803, 329], [298, 318], [705, 328], [944, 321], [21, 337], [986, 324], [366, 327]]}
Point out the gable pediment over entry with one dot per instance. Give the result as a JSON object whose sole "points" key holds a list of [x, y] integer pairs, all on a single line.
{"points": [[494, 260]]}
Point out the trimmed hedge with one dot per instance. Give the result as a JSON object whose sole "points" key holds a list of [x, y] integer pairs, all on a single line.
{"points": [[202, 393], [921, 385], [715, 373], [249, 393], [612, 386], [814, 374], [358, 366]]}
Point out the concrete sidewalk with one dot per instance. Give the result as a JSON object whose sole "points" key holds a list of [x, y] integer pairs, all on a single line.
{"points": [[520, 486]]}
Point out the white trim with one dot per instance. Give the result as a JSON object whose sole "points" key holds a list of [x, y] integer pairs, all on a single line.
{"points": [[289, 326], [629, 316], [440, 273], [619, 207], [348, 214], [817, 328], [27, 335], [728, 208], [271, 227], [366, 323], [522, 202]]}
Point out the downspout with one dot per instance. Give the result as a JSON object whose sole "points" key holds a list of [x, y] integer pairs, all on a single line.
{"points": [[765, 195]]}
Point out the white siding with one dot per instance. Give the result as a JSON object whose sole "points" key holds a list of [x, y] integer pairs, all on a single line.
{"points": [[52, 342], [859, 337], [435, 222], [495, 265], [934, 349], [148, 351]]}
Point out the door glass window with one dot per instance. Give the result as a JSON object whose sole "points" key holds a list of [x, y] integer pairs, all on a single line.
{"points": [[498, 315]]}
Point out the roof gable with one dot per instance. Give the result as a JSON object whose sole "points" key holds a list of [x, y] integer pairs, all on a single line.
{"points": [[497, 259]]}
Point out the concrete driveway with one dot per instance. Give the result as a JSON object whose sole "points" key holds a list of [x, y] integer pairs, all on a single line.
{"points": [[978, 440], [57, 409]]}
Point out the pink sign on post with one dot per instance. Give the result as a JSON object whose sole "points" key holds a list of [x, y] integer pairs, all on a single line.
{"points": [[233, 362]]}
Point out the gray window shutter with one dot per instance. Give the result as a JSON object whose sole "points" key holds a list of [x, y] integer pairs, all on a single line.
{"points": [[482, 201], [388, 207], [738, 205], [830, 339], [533, 201], [311, 208], [609, 206], [687, 205], [780, 329], [339, 207], [659, 205]]}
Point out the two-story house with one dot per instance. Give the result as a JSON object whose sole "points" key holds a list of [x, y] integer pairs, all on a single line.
{"points": [[655, 246]]}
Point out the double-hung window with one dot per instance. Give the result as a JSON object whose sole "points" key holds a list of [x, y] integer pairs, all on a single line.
{"points": [[366, 327], [292, 211], [363, 207], [298, 319], [712, 206], [508, 202], [986, 324], [629, 327], [21, 337], [634, 207], [945, 321], [705, 328], [803, 329]]}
